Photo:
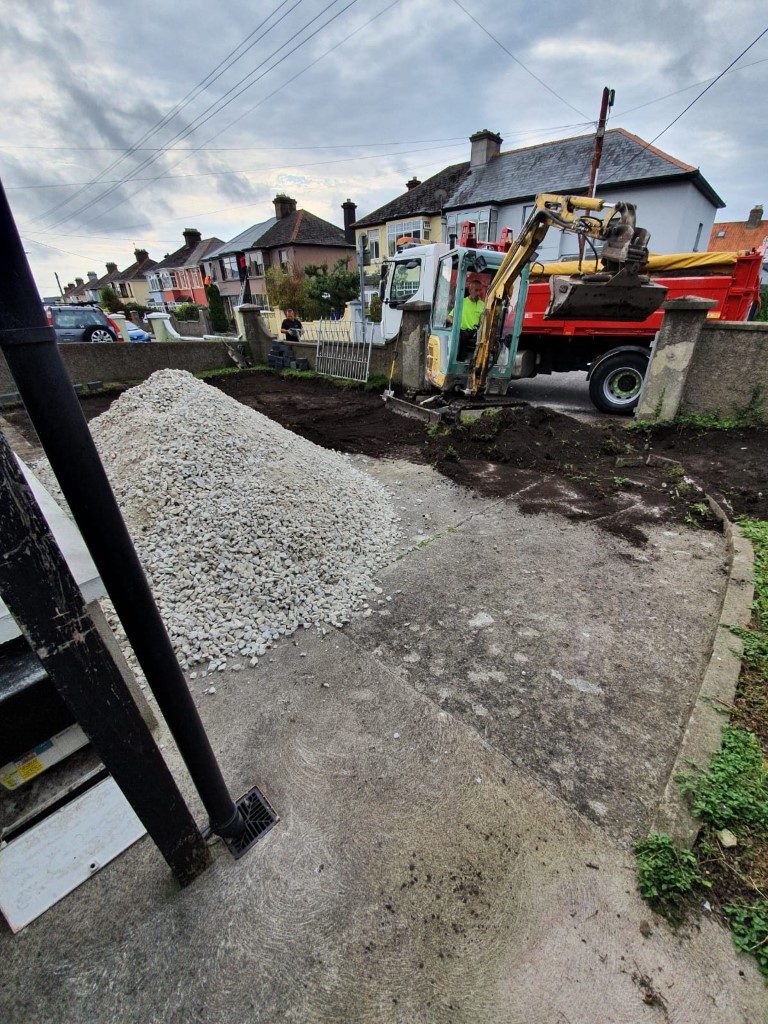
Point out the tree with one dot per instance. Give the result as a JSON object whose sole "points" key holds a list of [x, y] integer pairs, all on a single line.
{"points": [[287, 289], [110, 300], [219, 321], [374, 312], [340, 285]]}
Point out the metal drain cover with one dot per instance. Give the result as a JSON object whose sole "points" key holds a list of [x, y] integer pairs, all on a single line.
{"points": [[259, 819]]}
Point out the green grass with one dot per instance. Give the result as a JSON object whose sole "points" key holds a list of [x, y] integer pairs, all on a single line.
{"points": [[668, 876], [376, 382]]}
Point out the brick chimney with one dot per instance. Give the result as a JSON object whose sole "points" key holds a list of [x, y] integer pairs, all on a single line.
{"points": [[79, 281], [755, 218], [485, 146], [412, 183], [192, 237], [349, 209], [70, 286], [284, 205], [141, 255], [92, 276], [111, 268]]}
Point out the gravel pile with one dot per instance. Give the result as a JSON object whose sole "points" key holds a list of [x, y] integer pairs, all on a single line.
{"points": [[245, 530]]}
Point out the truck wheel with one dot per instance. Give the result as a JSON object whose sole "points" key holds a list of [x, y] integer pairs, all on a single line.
{"points": [[616, 382]]}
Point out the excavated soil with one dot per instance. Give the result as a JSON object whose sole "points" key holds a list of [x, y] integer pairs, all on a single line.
{"points": [[597, 472]]}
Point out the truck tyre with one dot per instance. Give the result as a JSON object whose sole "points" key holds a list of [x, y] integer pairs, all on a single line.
{"points": [[615, 383]]}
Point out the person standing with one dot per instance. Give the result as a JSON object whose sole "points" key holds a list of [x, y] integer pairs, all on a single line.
{"points": [[291, 327]]}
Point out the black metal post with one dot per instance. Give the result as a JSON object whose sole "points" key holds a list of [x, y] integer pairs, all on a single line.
{"points": [[44, 599], [29, 346]]}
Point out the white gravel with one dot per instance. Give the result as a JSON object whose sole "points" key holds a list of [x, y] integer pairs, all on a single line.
{"points": [[245, 530]]}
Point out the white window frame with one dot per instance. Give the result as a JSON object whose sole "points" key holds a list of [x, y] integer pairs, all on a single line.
{"points": [[195, 280], [374, 245], [282, 258], [417, 227], [256, 262]]}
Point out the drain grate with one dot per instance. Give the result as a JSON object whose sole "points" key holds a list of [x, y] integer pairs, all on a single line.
{"points": [[259, 819]]}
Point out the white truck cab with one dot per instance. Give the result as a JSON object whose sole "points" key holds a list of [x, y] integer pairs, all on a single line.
{"points": [[409, 274]]}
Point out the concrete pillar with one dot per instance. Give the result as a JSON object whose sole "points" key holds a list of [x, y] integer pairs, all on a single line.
{"points": [[122, 324], [413, 346], [251, 329], [671, 356], [159, 324]]}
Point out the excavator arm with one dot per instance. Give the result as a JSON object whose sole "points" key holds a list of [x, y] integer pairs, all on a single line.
{"points": [[617, 293]]}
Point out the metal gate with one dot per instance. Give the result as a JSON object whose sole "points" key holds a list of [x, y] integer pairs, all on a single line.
{"points": [[339, 355]]}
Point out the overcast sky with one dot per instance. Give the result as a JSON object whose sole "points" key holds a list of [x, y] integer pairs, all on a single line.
{"points": [[86, 80]]}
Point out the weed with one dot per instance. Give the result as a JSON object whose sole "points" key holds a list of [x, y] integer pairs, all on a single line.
{"points": [[667, 876], [432, 429], [733, 792], [451, 454], [749, 923], [700, 515], [621, 481]]}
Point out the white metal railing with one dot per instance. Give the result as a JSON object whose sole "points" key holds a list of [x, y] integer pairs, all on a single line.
{"points": [[339, 354]]}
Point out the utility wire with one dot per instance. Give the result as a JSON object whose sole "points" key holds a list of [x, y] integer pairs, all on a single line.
{"points": [[215, 108], [264, 99], [667, 95], [693, 101], [193, 93], [517, 60]]}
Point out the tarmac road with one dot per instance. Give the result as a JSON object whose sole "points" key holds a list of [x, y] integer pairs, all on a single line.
{"points": [[564, 392]]}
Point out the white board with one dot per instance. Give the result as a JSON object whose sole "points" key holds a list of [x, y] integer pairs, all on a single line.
{"points": [[52, 858]]}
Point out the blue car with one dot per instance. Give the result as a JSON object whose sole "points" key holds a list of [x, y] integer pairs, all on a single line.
{"points": [[137, 334]]}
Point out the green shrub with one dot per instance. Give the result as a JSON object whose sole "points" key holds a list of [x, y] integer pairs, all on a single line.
{"points": [[733, 792], [667, 876], [187, 311], [749, 924]]}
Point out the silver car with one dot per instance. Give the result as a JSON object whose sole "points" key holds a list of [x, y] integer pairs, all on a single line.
{"points": [[80, 323]]}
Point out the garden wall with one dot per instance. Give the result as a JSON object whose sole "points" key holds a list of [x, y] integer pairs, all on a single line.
{"points": [[728, 372]]}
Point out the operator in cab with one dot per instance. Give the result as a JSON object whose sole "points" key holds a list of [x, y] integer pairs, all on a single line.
{"points": [[472, 306]]}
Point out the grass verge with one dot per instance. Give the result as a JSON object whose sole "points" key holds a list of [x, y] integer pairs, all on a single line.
{"points": [[375, 383], [729, 861]]}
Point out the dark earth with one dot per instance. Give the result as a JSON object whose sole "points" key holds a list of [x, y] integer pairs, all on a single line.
{"points": [[601, 471]]}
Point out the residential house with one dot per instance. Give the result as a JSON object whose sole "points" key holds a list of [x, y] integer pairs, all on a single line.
{"points": [[495, 190], [179, 277], [416, 214], [733, 235], [108, 280], [84, 291], [293, 237], [131, 284]]}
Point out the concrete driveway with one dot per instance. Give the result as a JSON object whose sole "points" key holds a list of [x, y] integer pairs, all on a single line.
{"points": [[459, 775]]}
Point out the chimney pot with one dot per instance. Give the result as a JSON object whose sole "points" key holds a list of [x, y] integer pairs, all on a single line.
{"points": [[141, 255], [93, 276], [79, 281], [349, 209], [192, 236], [284, 205], [485, 147], [755, 217], [412, 183], [111, 268]]}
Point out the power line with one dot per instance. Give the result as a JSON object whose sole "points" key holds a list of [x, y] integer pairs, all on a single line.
{"points": [[264, 99], [215, 108], [317, 163], [666, 96], [693, 101], [517, 60], [193, 93]]}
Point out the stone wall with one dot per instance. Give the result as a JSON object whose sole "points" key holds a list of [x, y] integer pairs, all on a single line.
{"points": [[729, 371], [119, 363]]}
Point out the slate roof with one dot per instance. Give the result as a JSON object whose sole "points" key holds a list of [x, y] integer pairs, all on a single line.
{"points": [[136, 270], [421, 200], [109, 278], [563, 166], [737, 236], [189, 255], [303, 228], [248, 239]]}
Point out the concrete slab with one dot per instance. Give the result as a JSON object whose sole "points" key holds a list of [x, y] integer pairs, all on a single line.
{"points": [[417, 874]]}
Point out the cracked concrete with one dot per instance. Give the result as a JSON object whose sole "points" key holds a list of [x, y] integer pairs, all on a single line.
{"points": [[435, 859]]}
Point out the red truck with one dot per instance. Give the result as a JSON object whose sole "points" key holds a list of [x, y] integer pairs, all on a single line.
{"points": [[615, 355]]}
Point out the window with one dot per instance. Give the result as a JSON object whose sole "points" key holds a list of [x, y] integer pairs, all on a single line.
{"points": [[698, 238], [229, 268], [182, 281], [527, 211], [283, 258], [405, 281], [373, 245], [195, 280], [445, 291], [68, 318], [257, 263], [417, 229], [154, 283], [721, 234], [126, 292], [167, 279], [213, 270]]}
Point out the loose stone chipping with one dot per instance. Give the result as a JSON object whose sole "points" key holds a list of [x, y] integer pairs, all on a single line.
{"points": [[245, 530]]}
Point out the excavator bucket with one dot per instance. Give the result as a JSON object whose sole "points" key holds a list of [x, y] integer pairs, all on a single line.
{"points": [[620, 296]]}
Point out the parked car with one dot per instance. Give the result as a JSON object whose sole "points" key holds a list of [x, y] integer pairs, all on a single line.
{"points": [[137, 334], [74, 323]]}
